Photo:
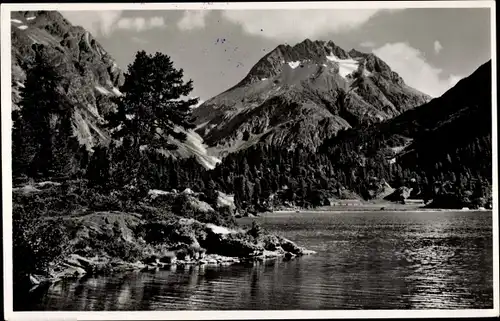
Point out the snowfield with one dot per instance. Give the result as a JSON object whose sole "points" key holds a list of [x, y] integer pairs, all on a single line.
{"points": [[102, 90], [116, 91], [346, 66], [294, 64], [192, 146]]}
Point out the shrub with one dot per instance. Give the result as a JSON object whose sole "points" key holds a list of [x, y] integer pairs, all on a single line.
{"points": [[167, 232], [255, 231], [112, 244], [37, 243], [101, 202], [151, 213]]}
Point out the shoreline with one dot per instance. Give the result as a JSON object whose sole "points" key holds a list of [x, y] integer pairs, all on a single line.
{"points": [[338, 210], [196, 244], [76, 267]]}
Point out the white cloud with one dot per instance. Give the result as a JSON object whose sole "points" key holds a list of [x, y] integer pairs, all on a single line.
{"points": [[103, 23], [437, 47], [140, 24], [367, 44], [193, 19], [156, 22], [96, 22], [138, 40], [296, 25], [453, 79], [411, 65]]}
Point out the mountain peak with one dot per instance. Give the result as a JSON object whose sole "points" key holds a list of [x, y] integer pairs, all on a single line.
{"points": [[319, 52], [303, 85]]}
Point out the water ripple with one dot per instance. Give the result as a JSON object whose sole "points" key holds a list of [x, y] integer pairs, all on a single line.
{"points": [[440, 260]]}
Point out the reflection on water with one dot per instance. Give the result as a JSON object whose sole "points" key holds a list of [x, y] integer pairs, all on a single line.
{"points": [[402, 260]]}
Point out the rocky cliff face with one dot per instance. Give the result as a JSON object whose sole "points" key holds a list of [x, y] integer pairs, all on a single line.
{"points": [[300, 95], [93, 76]]}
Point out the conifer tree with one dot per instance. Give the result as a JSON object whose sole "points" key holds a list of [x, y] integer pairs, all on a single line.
{"points": [[42, 104], [151, 110]]}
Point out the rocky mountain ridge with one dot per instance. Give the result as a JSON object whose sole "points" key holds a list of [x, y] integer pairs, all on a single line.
{"points": [[92, 76], [301, 95]]}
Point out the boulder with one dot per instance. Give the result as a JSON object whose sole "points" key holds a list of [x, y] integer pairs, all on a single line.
{"points": [[231, 245], [291, 247], [225, 200], [71, 272]]}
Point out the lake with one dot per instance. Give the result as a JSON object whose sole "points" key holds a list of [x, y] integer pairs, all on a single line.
{"points": [[364, 260]]}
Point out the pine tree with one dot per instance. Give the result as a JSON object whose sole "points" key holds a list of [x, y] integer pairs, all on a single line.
{"points": [[151, 109], [42, 99], [65, 147], [98, 170]]}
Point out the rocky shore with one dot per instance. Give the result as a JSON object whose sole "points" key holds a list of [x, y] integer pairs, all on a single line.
{"points": [[159, 245]]}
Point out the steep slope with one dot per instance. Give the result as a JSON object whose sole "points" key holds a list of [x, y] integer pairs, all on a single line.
{"points": [[459, 115], [301, 95], [91, 76], [193, 146], [440, 151], [447, 140]]}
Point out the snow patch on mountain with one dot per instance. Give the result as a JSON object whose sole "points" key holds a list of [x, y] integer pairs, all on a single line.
{"points": [[192, 146], [31, 18], [16, 21], [116, 91], [346, 66], [201, 125], [294, 64], [23, 27], [87, 38], [102, 90]]}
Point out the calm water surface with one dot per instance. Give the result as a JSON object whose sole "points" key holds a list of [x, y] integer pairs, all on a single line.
{"points": [[400, 260]]}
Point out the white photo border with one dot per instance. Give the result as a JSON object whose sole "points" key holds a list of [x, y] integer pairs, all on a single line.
{"points": [[224, 315]]}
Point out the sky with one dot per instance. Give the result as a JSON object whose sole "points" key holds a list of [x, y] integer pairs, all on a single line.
{"points": [[431, 48]]}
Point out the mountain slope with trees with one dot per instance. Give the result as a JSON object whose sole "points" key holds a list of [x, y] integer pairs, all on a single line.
{"points": [[444, 146], [424, 153]]}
